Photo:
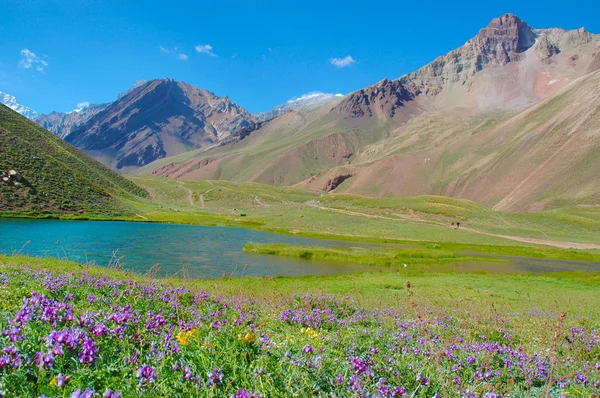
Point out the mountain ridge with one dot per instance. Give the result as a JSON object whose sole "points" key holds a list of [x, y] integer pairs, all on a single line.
{"points": [[429, 131], [156, 119]]}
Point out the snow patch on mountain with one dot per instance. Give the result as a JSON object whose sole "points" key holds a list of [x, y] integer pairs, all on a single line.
{"points": [[12, 103], [303, 102]]}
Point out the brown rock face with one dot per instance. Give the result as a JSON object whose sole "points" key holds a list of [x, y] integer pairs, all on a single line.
{"points": [[160, 118], [335, 182], [502, 41], [386, 96]]}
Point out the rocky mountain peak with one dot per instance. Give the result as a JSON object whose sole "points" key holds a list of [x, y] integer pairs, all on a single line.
{"points": [[506, 39], [503, 40], [162, 117]]}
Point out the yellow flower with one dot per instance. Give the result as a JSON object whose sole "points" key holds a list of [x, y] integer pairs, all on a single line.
{"points": [[184, 337], [248, 338], [54, 381], [310, 331]]}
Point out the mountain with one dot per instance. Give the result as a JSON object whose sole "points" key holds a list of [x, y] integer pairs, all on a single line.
{"points": [[159, 118], [304, 102], [507, 66], [11, 102], [61, 124], [40, 173], [509, 120]]}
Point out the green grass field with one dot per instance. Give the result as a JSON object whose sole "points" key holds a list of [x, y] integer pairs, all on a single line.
{"points": [[343, 216], [74, 329]]}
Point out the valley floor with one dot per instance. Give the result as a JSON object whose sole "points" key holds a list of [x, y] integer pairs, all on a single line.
{"points": [[344, 216]]}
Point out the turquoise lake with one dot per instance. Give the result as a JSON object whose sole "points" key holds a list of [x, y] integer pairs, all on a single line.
{"points": [[208, 252]]}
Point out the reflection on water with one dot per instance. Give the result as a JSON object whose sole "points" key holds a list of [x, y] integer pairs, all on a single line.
{"points": [[210, 252]]}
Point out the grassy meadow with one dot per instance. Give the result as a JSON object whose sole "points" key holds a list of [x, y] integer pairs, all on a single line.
{"points": [[353, 217], [75, 330]]}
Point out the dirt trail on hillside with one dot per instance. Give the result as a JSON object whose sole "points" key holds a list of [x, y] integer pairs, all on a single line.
{"points": [[554, 243], [189, 194]]}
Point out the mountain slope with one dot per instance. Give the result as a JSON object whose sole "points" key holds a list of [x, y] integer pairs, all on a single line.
{"points": [[439, 130], [40, 173], [11, 102], [61, 124], [543, 157], [157, 119]]}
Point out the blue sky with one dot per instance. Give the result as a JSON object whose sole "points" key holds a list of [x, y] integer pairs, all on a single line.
{"points": [[260, 54]]}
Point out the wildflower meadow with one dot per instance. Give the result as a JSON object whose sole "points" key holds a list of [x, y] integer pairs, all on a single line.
{"points": [[79, 334]]}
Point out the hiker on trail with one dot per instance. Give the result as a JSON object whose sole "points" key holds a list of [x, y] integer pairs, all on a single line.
{"points": [[457, 225], [452, 225]]}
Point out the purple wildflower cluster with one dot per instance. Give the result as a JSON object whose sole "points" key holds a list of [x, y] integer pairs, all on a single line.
{"points": [[81, 336]]}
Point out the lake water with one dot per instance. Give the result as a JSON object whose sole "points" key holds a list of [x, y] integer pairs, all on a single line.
{"points": [[208, 252]]}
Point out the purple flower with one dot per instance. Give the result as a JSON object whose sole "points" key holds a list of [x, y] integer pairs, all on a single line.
{"points": [[423, 380], [215, 377], [61, 380], [85, 394], [45, 361], [11, 357], [88, 350], [582, 379], [246, 394], [146, 374], [111, 394]]}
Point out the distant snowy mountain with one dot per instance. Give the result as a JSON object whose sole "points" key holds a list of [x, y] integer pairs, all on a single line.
{"points": [[307, 101], [12, 103]]}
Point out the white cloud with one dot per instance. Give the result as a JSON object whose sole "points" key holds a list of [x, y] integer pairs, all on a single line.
{"points": [[164, 49], [205, 49], [30, 60], [342, 62], [182, 57]]}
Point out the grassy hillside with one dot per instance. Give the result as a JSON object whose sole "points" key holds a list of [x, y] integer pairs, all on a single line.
{"points": [[347, 216], [53, 176], [386, 334]]}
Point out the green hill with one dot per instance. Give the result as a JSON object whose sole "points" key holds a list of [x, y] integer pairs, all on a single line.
{"points": [[42, 174]]}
